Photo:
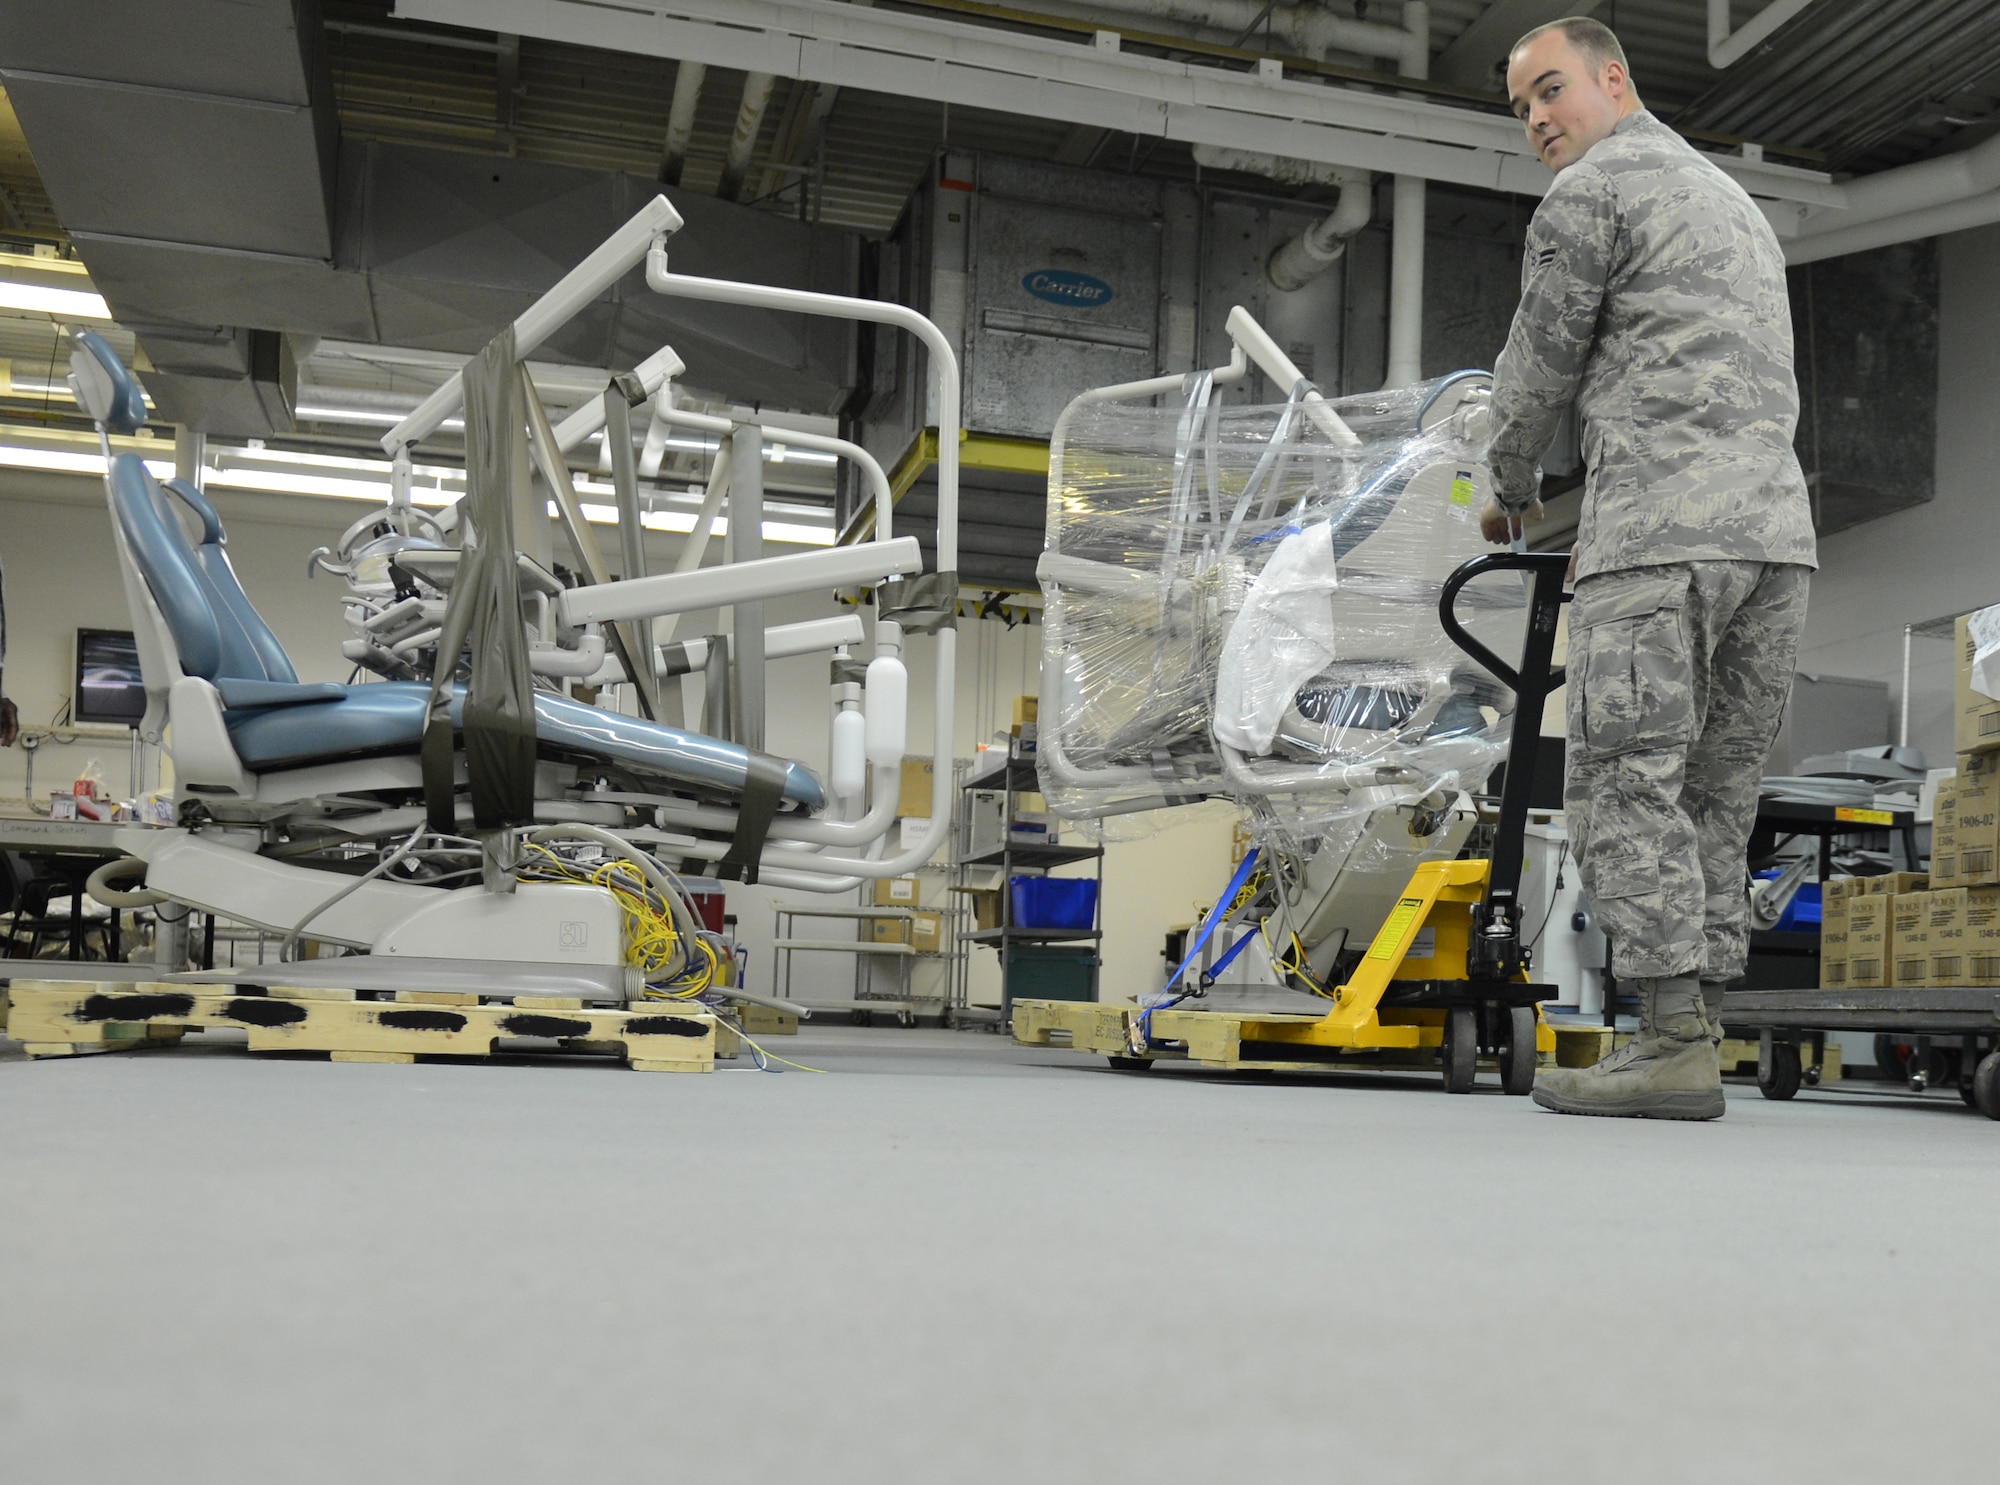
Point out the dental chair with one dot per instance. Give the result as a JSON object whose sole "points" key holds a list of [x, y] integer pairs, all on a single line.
{"points": [[353, 814]]}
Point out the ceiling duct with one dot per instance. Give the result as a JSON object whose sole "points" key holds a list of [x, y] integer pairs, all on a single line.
{"points": [[191, 152]]}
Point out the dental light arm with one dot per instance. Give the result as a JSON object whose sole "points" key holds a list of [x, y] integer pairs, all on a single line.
{"points": [[1251, 336], [616, 256]]}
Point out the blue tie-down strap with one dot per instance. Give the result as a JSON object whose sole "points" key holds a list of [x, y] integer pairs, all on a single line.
{"points": [[1218, 915]]}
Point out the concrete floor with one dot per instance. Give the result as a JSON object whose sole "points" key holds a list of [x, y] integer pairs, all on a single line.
{"points": [[953, 1259]]}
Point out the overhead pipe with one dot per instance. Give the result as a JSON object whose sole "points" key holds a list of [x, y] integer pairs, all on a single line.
{"points": [[680, 120], [1726, 48], [1298, 262], [1406, 250], [1306, 30], [1947, 194], [757, 89]]}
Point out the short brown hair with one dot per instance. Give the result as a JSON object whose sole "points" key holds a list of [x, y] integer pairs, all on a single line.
{"points": [[1592, 38]]}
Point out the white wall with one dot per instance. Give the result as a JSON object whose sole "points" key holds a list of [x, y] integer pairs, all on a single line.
{"points": [[55, 545], [1931, 559]]}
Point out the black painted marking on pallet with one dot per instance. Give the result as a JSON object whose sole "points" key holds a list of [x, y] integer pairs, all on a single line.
{"points": [[545, 1025], [261, 1012], [665, 1026], [144, 1007], [404, 1020]]}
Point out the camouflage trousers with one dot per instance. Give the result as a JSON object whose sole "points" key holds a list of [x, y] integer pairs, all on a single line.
{"points": [[1678, 678]]}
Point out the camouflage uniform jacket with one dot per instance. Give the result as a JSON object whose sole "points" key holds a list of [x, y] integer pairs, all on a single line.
{"points": [[1653, 297]]}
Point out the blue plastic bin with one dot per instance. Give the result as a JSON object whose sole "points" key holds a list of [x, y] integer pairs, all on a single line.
{"points": [[1054, 902]]}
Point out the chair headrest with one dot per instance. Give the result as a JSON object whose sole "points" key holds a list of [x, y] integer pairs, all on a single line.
{"points": [[107, 391]]}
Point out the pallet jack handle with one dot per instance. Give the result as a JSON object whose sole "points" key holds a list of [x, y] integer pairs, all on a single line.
{"points": [[1496, 952]]}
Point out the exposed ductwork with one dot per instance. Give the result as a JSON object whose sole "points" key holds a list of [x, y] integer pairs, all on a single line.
{"points": [[757, 89], [192, 154], [1948, 194], [680, 120], [1727, 47]]}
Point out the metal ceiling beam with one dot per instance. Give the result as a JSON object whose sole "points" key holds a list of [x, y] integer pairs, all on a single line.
{"points": [[1097, 85]]}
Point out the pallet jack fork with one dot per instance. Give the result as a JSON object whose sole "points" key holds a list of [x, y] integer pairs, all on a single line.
{"points": [[1468, 996]]}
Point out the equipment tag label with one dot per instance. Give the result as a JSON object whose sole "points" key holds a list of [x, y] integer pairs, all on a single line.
{"points": [[1863, 817], [1391, 936], [1461, 490]]}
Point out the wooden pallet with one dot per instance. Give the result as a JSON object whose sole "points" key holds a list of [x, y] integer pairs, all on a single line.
{"points": [[64, 1018], [1254, 1041]]}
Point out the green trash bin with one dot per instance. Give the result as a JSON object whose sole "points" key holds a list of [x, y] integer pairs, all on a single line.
{"points": [[1034, 973]]}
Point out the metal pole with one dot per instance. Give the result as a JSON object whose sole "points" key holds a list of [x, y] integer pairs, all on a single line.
{"points": [[746, 544], [1903, 732]]}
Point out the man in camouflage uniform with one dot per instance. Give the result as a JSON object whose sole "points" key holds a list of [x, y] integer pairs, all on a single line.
{"points": [[1654, 300]]}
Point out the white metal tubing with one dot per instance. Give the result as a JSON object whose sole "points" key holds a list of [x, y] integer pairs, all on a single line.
{"points": [[610, 261], [1726, 48], [711, 587], [655, 372], [1258, 345], [871, 468], [944, 362], [786, 640], [944, 371], [884, 793]]}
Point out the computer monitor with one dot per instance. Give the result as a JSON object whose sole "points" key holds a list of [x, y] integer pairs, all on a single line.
{"points": [[109, 687]]}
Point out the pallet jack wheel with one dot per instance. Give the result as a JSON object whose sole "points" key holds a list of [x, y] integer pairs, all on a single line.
{"points": [[1130, 1064], [1785, 1074], [1518, 1058], [1460, 1052], [1986, 1085]]}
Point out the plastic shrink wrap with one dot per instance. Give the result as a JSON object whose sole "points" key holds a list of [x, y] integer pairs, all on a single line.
{"points": [[1239, 608]]}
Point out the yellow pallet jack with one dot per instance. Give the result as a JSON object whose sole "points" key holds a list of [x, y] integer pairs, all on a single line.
{"points": [[1468, 995]]}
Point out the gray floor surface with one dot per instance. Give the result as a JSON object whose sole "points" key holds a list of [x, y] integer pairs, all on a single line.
{"points": [[953, 1259]]}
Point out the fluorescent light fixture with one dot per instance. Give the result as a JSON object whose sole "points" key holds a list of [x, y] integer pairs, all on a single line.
{"points": [[60, 304], [62, 461]]}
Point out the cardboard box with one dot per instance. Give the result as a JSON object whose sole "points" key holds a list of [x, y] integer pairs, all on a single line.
{"points": [[1909, 938], [1868, 940], [924, 932], [1982, 936], [1025, 708], [1834, 898], [1945, 936], [1978, 725], [1972, 841], [1893, 883], [986, 906], [896, 892], [915, 797], [1944, 834]]}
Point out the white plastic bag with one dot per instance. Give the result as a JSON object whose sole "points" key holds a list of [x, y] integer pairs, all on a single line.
{"points": [[1283, 637]]}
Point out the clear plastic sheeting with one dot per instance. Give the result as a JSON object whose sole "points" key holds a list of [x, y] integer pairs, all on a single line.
{"points": [[1237, 608]]}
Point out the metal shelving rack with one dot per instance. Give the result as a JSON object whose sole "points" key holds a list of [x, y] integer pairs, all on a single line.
{"points": [[1010, 856], [865, 1002]]}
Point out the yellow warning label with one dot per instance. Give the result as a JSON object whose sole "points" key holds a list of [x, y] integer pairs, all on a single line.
{"points": [[1461, 490], [1390, 939], [1863, 817]]}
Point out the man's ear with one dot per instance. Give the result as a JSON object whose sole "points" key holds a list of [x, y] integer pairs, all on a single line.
{"points": [[1614, 81]]}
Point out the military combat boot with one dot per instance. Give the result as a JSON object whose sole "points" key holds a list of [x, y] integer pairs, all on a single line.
{"points": [[1668, 1071], [1711, 1006]]}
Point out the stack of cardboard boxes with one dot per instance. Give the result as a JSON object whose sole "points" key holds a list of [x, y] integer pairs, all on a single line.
{"points": [[1904, 930]]}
